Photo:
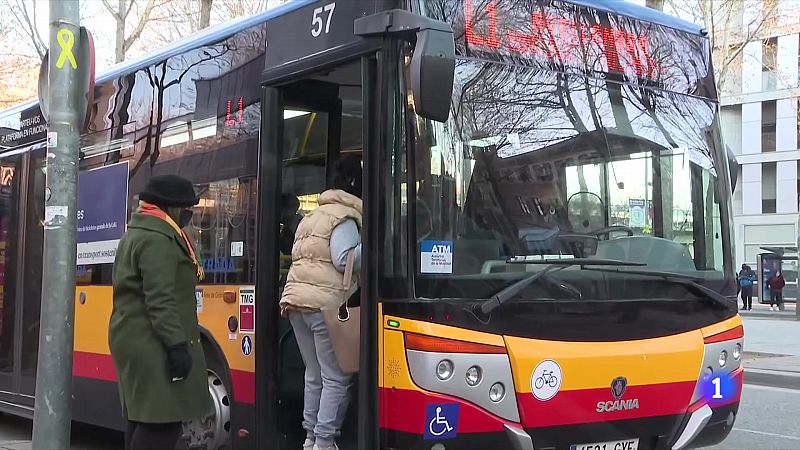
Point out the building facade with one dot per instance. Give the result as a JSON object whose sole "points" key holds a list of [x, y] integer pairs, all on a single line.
{"points": [[759, 116]]}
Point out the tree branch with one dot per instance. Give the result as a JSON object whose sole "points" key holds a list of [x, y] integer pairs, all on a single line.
{"points": [[148, 9], [41, 48], [111, 10], [128, 9]]}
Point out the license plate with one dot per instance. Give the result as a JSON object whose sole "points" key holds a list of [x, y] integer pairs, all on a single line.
{"points": [[627, 444]]}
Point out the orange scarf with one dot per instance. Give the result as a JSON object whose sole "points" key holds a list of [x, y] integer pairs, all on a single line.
{"points": [[148, 209]]}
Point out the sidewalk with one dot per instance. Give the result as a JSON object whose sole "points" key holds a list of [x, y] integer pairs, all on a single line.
{"points": [[763, 312], [772, 346], [15, 434]]}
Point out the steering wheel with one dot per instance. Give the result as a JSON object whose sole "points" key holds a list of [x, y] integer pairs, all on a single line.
{"points": [[608, 230]]}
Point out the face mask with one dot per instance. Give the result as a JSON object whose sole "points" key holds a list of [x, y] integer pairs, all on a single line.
{"points": [[185, 218]]}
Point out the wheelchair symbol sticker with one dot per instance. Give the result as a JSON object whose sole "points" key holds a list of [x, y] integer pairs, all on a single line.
{"points": [[441, 421]]}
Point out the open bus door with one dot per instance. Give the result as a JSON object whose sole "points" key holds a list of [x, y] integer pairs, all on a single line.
{"points": [[309, 124], [326, 95]]}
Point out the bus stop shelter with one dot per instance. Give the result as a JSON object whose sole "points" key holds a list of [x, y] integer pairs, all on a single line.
{"points": [[769, 262]]}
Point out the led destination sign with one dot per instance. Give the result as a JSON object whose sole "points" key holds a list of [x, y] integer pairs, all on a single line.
{"points": [[558, 39], [566, 37]]}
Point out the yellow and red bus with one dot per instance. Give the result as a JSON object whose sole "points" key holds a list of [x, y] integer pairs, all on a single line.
{"points": [[547, 257]]}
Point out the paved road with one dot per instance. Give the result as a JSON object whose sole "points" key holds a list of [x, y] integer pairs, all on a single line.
{"points": [[769, 418], [15, 434]]}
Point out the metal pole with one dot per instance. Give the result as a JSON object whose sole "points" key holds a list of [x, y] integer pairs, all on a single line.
{"points": [[52, 414]]}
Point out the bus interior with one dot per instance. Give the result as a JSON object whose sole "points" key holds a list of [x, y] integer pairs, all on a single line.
{"points": [[555, 201], [322, 123]]}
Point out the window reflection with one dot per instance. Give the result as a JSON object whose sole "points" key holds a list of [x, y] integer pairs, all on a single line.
{"points": [[224, 230], [535, 162]]}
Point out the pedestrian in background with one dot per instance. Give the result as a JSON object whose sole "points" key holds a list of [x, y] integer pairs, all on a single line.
{"points": [[776, 285], [153, 332], [746, 279], [327, 246]]}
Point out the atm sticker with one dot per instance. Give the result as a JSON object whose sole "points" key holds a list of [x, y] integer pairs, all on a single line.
{"points": [[436, 257]]}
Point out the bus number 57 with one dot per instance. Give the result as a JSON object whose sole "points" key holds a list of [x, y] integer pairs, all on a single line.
{"points": [[316, 21]]}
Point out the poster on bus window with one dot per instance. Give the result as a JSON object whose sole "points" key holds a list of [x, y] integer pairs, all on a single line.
{"points": [[102, 213]]}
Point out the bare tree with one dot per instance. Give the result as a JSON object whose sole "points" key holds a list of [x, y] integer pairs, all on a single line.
{"points": [[121, 14], [225, 10], [732, 24], [205, 13], [25, 16]]}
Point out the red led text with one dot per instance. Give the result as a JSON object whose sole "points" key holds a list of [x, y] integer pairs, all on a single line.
{"points": [[561, 41]]}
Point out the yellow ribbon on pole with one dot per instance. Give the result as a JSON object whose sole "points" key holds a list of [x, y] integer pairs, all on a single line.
{"points": [[66, 40]]}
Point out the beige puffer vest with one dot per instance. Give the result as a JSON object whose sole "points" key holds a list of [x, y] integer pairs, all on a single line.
{"points": [[313, 283]]}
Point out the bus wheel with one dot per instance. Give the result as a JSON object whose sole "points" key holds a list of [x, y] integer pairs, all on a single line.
{"points": [[211, 432]]}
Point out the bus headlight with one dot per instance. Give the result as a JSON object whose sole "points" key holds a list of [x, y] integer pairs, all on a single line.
{"points": [[474, 376], [444, 370], [723, 358], [497, 392], [707, 373], [737, 351]]}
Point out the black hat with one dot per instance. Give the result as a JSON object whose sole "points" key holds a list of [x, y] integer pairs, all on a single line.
{"points": [[169, 191]]}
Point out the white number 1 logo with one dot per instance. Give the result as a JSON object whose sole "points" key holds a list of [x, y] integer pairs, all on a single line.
{"points": [[717, 394], [317, 22]]}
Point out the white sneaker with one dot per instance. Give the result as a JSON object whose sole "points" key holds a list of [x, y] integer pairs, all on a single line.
{"points": [[771, 309], [327, 447], [308, 444]]}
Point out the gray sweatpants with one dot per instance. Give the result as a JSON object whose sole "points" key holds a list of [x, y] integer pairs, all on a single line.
{"points": [[326, 395]]}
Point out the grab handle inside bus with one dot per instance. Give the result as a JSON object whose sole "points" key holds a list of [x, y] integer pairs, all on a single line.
{"points": [[433, 63]]}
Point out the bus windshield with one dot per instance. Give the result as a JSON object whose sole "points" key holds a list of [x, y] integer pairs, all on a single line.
{"points": [[536, 164]]}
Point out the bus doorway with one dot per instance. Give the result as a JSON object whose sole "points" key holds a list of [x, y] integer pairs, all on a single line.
{"points": [[321, 123]]}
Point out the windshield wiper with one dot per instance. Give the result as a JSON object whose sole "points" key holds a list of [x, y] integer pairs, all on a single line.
{"points": [[513, 290], [688, 281]]}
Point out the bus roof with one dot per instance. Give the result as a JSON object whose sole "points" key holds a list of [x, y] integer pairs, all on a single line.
{"points": [[630, 9], [222, 31], [207, 36]]}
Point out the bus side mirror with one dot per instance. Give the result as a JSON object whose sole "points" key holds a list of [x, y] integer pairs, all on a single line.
{"points": [[733, 167], [433, 64], [432, 72]]}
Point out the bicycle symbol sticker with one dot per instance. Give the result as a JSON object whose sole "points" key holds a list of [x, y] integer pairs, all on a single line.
{"points": [[441, 421], [546, 380]]}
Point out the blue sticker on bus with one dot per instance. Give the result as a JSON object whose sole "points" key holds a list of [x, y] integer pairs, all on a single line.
{"points": [[441, 421], [247, 346], [436, 257]]}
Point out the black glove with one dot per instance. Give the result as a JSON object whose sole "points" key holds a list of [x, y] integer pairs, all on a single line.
{"points": [[179, 361]]}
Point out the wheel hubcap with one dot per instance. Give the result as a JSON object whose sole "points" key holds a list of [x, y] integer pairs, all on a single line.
{"points": [[211, 432]]}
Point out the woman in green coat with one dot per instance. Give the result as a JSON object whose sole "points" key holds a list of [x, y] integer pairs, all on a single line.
{"points": [[153, 333]]}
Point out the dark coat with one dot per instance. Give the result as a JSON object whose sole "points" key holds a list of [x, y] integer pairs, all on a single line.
{"points": [[776, 283], [155, 307]]}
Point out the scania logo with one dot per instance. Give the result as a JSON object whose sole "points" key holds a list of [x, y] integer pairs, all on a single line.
{"points": [[618, 387]]}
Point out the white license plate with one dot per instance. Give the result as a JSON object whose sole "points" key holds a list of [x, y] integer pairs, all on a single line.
{"points": [[627, 444]]}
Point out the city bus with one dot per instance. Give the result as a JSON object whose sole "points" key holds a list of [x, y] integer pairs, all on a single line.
{"points": [[547, 239]]}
